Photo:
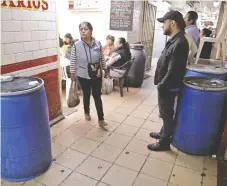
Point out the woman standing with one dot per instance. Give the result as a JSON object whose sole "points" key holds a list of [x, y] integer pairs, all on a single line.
{"points": [[67, 48], [87, 63], [69, 42]]}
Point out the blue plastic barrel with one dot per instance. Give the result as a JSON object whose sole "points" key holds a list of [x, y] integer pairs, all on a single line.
{"points": [[25, 131], [199, 115], [206, 71]]}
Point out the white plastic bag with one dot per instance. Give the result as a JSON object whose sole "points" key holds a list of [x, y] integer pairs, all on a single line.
{"points": [[107, 85], [73, 99]]}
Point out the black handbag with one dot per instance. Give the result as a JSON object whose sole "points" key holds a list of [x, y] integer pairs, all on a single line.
{"points": [[94, 69]]}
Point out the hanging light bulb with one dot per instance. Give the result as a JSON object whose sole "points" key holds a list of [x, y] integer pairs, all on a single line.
{"points": [[216, 4]]}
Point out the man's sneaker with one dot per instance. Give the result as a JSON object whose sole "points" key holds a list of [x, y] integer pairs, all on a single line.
{"points": [[87, 117], [102, 123], [159, 146], [155, 135]]}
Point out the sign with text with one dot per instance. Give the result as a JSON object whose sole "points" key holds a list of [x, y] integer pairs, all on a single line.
{"points": [[121, 15], [25, 4]]}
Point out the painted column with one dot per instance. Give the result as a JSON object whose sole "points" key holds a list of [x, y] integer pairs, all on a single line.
{"points": [[29, 45]]}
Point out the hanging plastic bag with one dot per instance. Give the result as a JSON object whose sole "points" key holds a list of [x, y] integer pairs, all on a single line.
{"points": [[107, 85], [73, 99]]}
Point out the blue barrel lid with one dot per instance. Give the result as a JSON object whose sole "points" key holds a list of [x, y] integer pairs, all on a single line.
{"points": [[205, 83], [207, 69], [19, 85]]}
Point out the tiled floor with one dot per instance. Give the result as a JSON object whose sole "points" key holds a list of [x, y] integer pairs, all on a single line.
{"points": [[86, 155]]}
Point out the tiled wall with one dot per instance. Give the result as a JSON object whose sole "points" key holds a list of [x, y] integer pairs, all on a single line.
{"points": [[29, 46]]}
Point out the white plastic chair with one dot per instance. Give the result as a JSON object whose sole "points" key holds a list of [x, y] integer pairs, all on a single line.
{"points": [[221, 39], [64, 62]]}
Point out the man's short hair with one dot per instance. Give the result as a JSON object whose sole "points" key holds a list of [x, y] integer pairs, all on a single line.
{"points": [[192, 16]]}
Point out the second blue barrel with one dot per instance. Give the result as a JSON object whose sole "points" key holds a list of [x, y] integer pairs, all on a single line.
{"points": [[199, 115], [25, 131], [206, 71], [136, 72]]}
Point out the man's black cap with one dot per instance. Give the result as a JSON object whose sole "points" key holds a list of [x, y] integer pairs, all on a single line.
{"points": [[176, 16]]}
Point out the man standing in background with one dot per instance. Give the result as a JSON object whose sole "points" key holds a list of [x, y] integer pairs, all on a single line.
{"points": [[191, 26], [169, 76]]}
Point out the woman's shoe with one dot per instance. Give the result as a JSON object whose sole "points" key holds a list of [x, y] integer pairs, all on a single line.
{"points": [[87, 117], [102, 123]]}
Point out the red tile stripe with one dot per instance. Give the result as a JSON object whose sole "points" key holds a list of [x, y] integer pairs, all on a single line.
{"points": [[27, 64], [51, 85]]}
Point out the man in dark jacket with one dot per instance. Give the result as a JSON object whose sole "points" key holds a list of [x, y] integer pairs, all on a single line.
{"points": [[169, 75]]}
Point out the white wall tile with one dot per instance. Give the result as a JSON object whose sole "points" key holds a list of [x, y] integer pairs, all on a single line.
{"points": [[50, 16], [38, 16], [7, 37], [23, 36], [8, 59], [19, 14], [51, 34], [2, 50], [31, 46], [13, 48], [11, 26], [52, 51], [46, 25], [55, 42], [39, 35], [29, 25], [6, 14], [54, 26], [25, 56], [46, 44], [39, 54]]}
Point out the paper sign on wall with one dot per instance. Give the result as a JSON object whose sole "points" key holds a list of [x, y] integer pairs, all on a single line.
{"points": [[84, 4]]}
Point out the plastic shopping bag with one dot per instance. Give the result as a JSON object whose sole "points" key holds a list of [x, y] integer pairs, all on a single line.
{"points": [[73, 99], [107, 85]]}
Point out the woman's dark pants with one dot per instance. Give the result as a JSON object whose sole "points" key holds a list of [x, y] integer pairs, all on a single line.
{"points": [[95, 85]]}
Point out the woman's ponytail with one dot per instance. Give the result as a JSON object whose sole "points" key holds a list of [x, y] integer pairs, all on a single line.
{"points": [[127, 47]]}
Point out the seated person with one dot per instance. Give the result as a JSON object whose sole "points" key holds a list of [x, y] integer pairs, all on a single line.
{"points": [[68, 44], [207, 47], [108, 48], [119, 57]]}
